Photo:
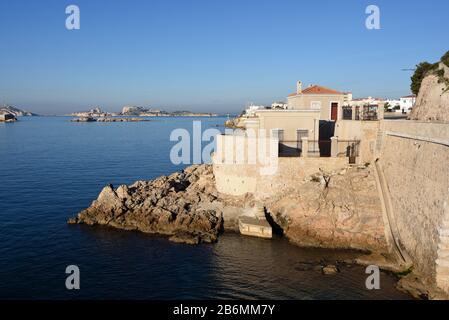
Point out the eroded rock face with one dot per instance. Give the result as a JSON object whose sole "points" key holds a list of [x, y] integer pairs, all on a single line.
{"points": [[432, 103], [333, 210], [185, 206]]}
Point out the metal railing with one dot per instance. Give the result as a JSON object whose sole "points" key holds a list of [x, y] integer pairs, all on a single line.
{"points": [[290, 148], [319, 148], [348, 148], [347, 112]]}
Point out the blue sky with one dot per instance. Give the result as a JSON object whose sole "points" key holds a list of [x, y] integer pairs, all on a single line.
{"points": [[209, 55]]}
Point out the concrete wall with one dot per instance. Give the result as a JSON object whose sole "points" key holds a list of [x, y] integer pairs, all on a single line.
{"points": [[289, 121], [414, 158], [304, 102], [365, 131], [239, 179]]}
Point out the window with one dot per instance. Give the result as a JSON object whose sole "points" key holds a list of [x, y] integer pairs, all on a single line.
{"points": [[315, 105]]}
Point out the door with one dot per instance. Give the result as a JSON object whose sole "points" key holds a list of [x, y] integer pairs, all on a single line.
{"points": [[334, 111]]}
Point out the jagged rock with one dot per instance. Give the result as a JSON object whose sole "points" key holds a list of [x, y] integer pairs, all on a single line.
{"points": [[184, 206], [330, 270]]}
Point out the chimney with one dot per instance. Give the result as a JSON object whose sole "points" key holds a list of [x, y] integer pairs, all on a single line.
{"points": [[298, 87]]}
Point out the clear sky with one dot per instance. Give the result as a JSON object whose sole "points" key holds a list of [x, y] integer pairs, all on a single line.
{"points": [[209, 55]]}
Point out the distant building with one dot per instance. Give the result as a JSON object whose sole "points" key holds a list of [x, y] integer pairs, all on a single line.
{"points": [[359, 102], [407, 103], [317, 98], [279, 105], [393, 104], [251, 110], [347, 97]]}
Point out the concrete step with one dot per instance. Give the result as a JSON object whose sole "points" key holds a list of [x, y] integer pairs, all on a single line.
{"points": [[254, 226]]}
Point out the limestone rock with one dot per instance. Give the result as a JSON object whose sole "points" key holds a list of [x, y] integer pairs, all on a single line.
{"points": [[432, 103], [333, 210], [184, 206]]}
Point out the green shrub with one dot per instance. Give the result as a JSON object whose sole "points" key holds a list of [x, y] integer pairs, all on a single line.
{"points": [[421, 71]]}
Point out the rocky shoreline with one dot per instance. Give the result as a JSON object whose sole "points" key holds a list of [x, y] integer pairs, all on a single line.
{"points": [[184, 206], [187, 208]]}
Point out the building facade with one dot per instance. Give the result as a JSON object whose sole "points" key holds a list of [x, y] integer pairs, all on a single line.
{"points": [[315, 97], [407, 103]]}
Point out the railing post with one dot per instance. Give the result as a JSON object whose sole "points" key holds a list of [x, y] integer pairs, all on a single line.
{"points": [[334, 147], [305, 146]]}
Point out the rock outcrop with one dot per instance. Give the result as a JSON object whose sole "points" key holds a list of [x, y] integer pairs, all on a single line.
{"points": [[235, 123], [184, 206], [432, 103], [333, 210], [7, 117], [14, 111]]}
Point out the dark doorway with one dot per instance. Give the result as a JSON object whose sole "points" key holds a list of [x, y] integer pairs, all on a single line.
{"points": [[334, 111], [326, 132]]}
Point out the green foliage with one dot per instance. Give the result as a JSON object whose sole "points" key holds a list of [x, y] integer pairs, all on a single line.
{"points": [[422, 70], [404, 272], [445, 59]]}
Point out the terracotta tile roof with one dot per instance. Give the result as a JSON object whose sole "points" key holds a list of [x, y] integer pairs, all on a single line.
{"points": [[315, 89]]}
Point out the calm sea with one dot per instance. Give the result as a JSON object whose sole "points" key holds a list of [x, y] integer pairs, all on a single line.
{"points": [[52, 168]]}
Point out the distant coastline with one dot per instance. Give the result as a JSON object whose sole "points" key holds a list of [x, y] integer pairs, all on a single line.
{"points": [[140, 112]]}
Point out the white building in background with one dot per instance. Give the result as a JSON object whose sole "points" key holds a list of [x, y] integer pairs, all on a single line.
{"points": [[347, 98], [394, 104], [279, 105], [407, 103], [365, 101], [251, 110]]}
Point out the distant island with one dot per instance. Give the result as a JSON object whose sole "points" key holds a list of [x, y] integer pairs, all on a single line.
{"points": [[139, 112], [16, 112]]}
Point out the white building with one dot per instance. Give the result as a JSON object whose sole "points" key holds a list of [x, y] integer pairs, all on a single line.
{"points": [[407, 103], [365, 101], [394, 104], [347, 98], [251, 110], [279, 105]]}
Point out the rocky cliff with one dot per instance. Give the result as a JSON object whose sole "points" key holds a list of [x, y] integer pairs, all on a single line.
{"points": [[432, 103]]}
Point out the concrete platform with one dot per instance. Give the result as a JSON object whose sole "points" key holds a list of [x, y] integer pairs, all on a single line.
{"points": [[255, 227]]}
